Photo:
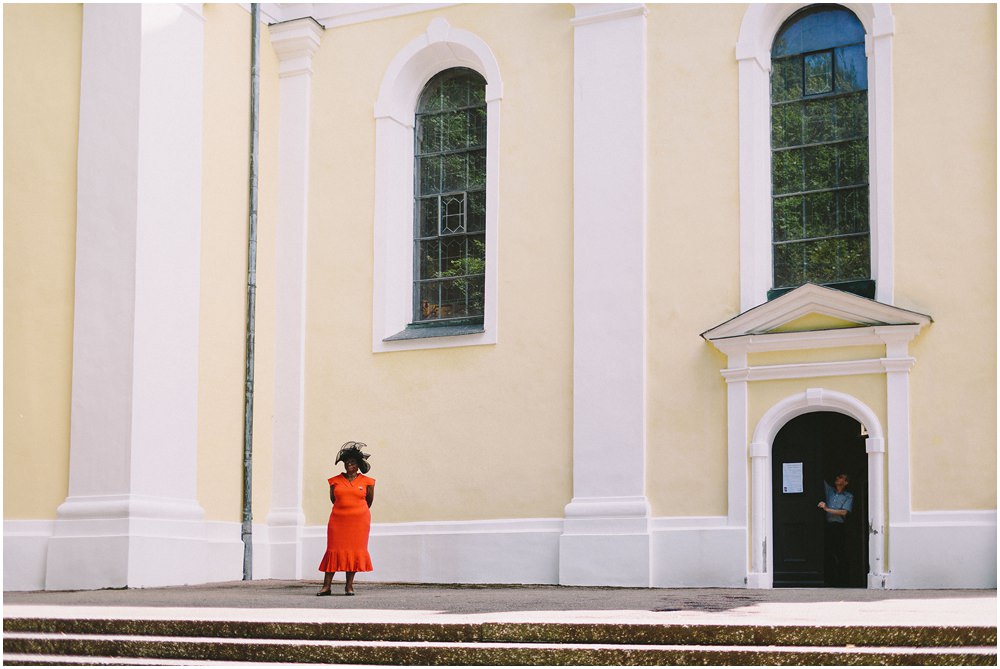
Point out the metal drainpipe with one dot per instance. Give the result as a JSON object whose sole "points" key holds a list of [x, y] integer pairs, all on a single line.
{"points": [[251, 296]]}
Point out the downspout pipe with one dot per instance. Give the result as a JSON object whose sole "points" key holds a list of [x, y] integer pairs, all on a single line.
{"points": [[247, 516]]}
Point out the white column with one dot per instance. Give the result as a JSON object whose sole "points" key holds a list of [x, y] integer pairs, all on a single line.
{"points": [[875, 448], [755, 176], [878, 48], [760, 576], [131, 517], [737, 377], [606, 538], [294, 42], [897, 364]]}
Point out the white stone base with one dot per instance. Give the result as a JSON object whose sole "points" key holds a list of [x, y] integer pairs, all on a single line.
{"points": [[25, 546], [622, 560], [936, 550], [698, 553], [955, 549]]}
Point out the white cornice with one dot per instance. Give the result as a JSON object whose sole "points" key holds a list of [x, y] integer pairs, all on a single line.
{"points": [[587, 13], [294, 43], [331, 15]]}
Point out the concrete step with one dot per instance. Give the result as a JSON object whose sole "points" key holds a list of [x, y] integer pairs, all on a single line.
{"points": [[20, 645], [520, 632]]}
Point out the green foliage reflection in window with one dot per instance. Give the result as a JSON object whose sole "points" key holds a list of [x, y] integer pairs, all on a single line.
{"points": [[450, 199], [819, 151]]}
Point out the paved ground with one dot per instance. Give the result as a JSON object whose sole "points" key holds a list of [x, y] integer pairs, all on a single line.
{"points": [[393, 602]]}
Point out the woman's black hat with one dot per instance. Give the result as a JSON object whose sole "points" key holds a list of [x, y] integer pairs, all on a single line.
{"points": [[351, 450]]}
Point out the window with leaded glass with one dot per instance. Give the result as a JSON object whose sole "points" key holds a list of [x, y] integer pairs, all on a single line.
{"points": [[819, 153], [449, 237]]}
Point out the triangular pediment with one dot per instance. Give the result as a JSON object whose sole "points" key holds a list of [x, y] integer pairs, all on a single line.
{"points": [[812, 308]]}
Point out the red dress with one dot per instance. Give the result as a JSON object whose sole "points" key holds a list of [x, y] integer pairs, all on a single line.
{"points": [[347, 530]]}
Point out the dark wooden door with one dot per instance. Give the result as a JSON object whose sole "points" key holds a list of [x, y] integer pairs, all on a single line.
{"points": [[814, 448]]}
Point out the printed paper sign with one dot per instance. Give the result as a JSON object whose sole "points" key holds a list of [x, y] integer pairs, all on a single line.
{"points": [[791, 477]]}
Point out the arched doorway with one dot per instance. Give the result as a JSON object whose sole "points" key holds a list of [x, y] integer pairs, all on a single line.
{"points": [[807, 451]]}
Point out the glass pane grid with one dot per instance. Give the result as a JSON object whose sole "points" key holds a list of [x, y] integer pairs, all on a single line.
{"points": [[819, 139], [449, 244]]}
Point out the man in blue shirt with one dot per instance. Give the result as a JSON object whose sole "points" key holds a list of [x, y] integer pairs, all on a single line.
{"points": [[837, 505]]}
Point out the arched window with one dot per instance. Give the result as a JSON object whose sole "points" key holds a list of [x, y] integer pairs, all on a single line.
{"points": [[449, 231], [437, 186], [819, 153]]}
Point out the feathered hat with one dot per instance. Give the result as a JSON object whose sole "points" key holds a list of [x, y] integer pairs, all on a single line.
{"points": [[351, 450]]}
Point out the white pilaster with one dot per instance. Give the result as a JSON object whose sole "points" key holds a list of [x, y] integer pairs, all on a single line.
{"points": [[606, 537], [897, 365], [294, 42], [875, 448], [131, 517], [760, 575]]}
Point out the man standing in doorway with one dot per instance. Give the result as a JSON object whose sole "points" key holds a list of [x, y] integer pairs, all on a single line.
{"points": [[837, 505]]}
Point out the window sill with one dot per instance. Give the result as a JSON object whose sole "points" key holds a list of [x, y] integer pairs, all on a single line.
{"points": [[862, 288], [428, 331]]}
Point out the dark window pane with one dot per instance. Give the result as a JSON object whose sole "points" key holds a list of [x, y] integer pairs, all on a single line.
{"points": [[853, 168], [430, 175], [786, 79], [822, 260], [428, 217], [851, 68], [429, 134], [429, 258], [820, 164], [787, 166], [786, 125], [852, 116], [452, 214], [452, 256], [787, 218], [476, 221], [821, 215], [856, 259], [816, 28], [430, 300], [819, 121], [819, 73], [455, 177], [788, 262], [853, 207], [477, 254], [454, 93], [456, 131], [477, 126], [477, 169]]}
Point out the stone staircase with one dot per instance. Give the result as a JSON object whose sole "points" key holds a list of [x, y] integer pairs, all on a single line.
{"points": [[66, 641]]}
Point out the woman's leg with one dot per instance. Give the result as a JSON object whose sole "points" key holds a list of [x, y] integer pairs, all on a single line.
{"points": [[327, 580], [349, 586]]}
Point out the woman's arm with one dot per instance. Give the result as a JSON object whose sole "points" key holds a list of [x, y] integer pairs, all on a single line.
{"points": [[370, 495], [333, 499]]}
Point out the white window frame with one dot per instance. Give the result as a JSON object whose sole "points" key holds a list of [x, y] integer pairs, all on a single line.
{"points": [[753, 53], [440, 48]]}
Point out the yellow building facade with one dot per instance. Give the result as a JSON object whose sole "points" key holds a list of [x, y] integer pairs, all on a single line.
{"points": [[636, 396]]}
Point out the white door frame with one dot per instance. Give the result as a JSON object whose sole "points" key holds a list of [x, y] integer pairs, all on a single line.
{"points": [[761, 532]]}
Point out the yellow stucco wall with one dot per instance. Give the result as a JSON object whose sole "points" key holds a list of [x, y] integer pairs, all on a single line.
{"points": [[224, 266], [462, 433], [486, 431], [945, 245], [693, 250], [41, 122]]}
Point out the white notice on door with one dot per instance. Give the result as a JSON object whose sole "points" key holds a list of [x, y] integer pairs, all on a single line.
{"points": [[791, 477]]}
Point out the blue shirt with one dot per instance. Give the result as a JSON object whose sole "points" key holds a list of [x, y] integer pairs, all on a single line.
{"points": [[837, 500]]}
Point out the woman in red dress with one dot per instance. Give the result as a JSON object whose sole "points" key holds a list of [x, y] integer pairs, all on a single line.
{"points": [[351, 494]]}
